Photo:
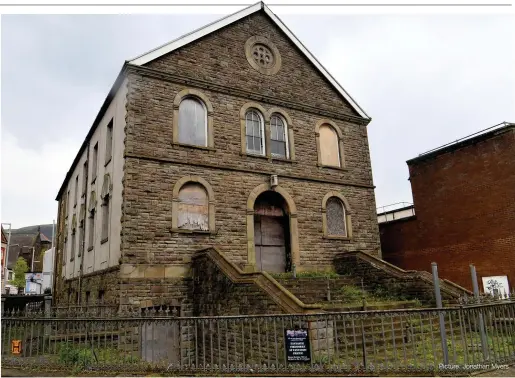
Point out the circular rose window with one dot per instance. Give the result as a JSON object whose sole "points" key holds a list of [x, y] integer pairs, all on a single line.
{"points": [[262, 55]]}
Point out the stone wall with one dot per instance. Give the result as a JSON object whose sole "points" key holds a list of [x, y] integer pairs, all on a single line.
{"points": [[220, 58], [148, 238], [378, 274], [151, 292], [106, 281], [215, 294], [154, 163]]}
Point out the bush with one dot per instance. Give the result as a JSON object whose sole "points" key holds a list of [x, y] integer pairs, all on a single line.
{"points": [[351, 293]]}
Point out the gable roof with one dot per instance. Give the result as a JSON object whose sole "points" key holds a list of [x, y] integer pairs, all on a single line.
{"points": [[193, 36], [214, 26]]}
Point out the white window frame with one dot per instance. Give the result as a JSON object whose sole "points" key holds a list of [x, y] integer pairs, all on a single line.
{"points": [[285, 135], [204, 107], [262, 131]]}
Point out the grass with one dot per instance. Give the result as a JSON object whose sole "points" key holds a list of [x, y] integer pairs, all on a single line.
{"points": [[354, 295], [80, 357], [306, 275]]}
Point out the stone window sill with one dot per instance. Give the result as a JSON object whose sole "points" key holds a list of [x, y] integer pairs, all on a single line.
{"points": [[90, 249], [183, 231], [108, 161], [335, 237], [254, 155], [333, 167], [205, 148], [284, 160], [104, 240]]}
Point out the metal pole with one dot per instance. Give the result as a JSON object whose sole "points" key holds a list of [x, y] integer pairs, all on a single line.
{"points": [[53, 255], [32, 262], [482, 334], [6, 256], [443, 335]]}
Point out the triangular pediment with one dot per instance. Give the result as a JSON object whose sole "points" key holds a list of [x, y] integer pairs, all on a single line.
{"points": [[276, 31]]}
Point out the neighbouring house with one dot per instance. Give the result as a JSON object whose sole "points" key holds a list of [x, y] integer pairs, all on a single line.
{"points": [[29, 244], [463, 211]]}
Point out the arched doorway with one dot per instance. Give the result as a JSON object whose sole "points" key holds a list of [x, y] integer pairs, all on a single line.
{"points": [[272, 233]]}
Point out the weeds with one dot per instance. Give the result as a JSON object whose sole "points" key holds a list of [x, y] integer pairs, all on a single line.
{"points": [[307, 275]]}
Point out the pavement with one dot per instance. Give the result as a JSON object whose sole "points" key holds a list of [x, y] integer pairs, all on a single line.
{"points": [[508, 371]]}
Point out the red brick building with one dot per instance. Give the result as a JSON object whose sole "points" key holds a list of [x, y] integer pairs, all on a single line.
{"points": [[463, 212]]}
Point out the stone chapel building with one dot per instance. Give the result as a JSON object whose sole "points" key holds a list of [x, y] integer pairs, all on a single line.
{"points": [[233, 136]]}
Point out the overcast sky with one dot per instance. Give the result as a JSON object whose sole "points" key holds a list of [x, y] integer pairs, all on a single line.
{"points": [[424, 79]]}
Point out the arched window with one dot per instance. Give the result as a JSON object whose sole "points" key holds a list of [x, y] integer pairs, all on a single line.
{"points": [[192, 122], [336, 216], [329, 146], [193, 208], [335, 212], [278, 137], [255, 133]]}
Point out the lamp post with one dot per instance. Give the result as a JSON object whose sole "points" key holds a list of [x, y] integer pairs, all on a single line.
{"points": [[7, 254]]}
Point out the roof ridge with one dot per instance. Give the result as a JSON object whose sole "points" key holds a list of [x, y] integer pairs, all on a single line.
{"points": [[193, 31]]}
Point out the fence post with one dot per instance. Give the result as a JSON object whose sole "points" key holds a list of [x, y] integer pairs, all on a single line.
{"points": [[481, 322], [48, 308], [438, 296]]}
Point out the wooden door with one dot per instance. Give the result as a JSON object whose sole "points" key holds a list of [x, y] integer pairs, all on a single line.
{"points": [[270, 243]]}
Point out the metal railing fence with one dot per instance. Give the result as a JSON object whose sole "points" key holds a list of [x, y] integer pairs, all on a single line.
{"points": [[392, 341]]}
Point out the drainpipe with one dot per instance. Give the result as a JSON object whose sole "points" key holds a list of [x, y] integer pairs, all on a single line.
{"points": [[83, 241]]}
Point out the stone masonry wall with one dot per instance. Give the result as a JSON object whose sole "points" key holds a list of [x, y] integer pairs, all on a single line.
{"points": [[408, 287], [147, 222], [220, 58], [154, 164], [215, 294], [106, 281], [150, 124]]}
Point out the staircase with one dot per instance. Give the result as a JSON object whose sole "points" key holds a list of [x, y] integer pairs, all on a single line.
{"points": [[220, 287]]}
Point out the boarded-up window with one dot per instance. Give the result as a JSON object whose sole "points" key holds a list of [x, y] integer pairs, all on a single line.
{"points": [[95, 162], [279, 144], [192, 122], [329, 146], [109, 142], [74, 240], [255, 133], [335, 212], [81, 238], [91, 228], [193, 208], [105, 218]]}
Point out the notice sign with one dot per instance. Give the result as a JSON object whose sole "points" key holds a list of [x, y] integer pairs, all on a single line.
{"points": [[297, 345]]}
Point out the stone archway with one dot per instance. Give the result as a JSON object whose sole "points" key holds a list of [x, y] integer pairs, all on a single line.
{"points": [[292, 223]]}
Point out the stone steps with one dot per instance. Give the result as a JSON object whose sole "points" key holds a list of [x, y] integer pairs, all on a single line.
{"points": [[318, 289]]}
